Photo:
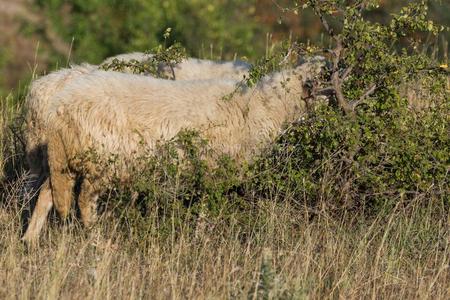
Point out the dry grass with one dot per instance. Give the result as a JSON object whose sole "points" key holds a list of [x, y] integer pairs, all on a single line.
{"points": [[11, 143], [274, 253]]}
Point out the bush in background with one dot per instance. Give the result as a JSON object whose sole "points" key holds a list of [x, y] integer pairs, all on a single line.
{"points": [[369, 147]]}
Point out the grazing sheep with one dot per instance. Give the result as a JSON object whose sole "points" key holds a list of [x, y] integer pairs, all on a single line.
{"points": [[42, 90], [120, 114], [191, 68]]}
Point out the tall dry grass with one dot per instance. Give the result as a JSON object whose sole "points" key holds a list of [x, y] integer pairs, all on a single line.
{"points": [[10, 135], [274, 253]]}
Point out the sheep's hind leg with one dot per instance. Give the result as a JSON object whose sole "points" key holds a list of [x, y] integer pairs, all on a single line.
{"points": [[61, 180], [87, 202], [62, 190], [40, 213]]}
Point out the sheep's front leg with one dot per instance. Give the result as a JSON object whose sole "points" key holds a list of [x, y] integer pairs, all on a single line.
{"points": [[40, 213], [87, 202]]}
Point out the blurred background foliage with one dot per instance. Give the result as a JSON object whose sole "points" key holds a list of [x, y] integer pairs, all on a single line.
{"points": [[37, 36]]}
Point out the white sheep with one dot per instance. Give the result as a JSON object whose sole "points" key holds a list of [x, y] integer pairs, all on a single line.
{"points": [[43, 89], [122, 114], [40, 98]]}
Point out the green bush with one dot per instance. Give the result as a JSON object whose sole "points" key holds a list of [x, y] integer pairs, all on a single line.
{"points": [[380, 149], [367, 160], [183, 173]]}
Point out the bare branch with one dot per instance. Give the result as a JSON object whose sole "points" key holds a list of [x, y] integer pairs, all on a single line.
{"points": [[328, 91], [288, 54], [337, 85], [347, 72], [369, 92], [324, 22], [336, 80], [278, 6], [361, 7], [350, 69]]}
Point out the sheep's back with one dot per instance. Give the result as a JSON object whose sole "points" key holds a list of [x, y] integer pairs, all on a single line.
{"points": [[204, 69], [120, 112]]}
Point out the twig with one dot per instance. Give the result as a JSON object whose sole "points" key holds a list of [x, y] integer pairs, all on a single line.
{"points": [[347, 72], [369, 92], [336, 80], [288, 54], [324, 22], [172, 70], [349, 69], [327, 91]]}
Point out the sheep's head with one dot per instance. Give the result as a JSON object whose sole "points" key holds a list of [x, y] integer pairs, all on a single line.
{"points": [[311, 66], [312, 69]]}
